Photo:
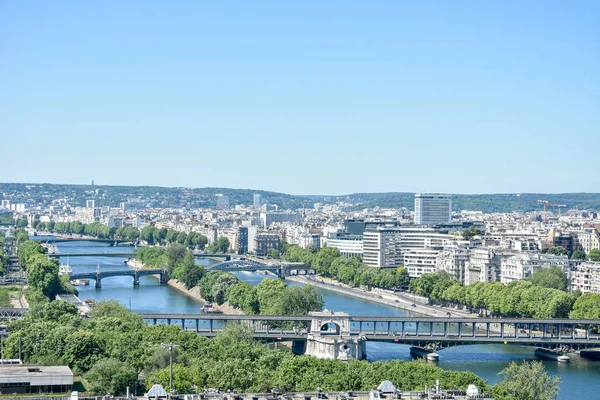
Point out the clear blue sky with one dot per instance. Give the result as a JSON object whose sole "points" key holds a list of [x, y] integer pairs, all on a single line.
{"points": [[325, 97]]}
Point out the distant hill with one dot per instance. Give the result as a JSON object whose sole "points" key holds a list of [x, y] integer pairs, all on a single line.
{"points": [[191, 198], [500, 202]]}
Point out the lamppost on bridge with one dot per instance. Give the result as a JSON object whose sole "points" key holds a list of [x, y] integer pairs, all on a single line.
{"points": [[170, 347]]}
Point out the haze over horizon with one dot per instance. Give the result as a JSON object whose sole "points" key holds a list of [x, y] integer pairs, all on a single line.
{"points": [[313, 98]]}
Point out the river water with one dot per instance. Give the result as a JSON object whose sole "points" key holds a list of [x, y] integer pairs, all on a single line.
{"points": [[580, 377]]}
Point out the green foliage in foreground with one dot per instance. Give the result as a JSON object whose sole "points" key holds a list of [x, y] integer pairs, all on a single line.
{"points": [[113, 345], [526, 381]]}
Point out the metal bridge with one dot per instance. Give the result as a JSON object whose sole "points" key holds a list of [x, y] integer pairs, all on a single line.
{"points": [[282, 270], [423, 332], [12, 313], [134, 273]]}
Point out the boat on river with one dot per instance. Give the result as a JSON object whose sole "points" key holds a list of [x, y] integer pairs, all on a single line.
{"points": [[65, 268], [209, 309]]}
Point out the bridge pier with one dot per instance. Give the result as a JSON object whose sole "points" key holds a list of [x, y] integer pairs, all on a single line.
{"points": [[419, 352], [339, 344], [98, 283], [164, 277], [552, 355], [136, 280]]}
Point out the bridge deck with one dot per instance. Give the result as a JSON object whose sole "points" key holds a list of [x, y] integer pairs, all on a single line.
{"points": [[95, 254], [367, 319]]}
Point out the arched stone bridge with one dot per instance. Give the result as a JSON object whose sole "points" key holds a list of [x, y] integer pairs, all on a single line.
{"points": [[282, 270], [134, 273]]}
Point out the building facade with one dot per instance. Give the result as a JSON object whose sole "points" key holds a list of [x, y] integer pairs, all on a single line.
{"points": [[421, 261], [433, 208], [263, 242], [586, 277], [522, 266]]}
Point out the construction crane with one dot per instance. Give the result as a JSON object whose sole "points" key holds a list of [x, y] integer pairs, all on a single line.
{"points": [[545, 203], [558, 206]]}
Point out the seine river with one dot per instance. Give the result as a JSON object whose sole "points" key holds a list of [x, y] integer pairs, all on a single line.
{"points": [[580, 377]]}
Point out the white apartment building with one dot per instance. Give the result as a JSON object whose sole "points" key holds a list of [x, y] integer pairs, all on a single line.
{"points": [[586, 277], [454, 260], [522, 266], [483, 266], [433, 208], [589, 240], [381, 248], [384, 247], [421, 261], [348, 246]]}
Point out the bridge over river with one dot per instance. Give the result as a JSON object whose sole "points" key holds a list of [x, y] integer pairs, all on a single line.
{"points": [[338, 335], [330, 334], [282, 270], [98, 275]]}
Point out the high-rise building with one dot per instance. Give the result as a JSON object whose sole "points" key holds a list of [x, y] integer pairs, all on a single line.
{"points": [[6, 204], [242, 240], [257, 201], [90, 203], [433, 208]]}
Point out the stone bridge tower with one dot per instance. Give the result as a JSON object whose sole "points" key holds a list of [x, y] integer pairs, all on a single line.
{"points": [[330, 337]]}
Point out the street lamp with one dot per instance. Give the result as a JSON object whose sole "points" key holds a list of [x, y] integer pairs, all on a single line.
{"points": [[170, 347]]}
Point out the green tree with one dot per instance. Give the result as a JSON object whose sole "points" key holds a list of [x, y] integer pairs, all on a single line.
{"points": [[324, 259], [188, 272], [42, 275], [587, 306], [300, 300], [578, 255], [526, 381], [183, 378], [553, 277], [160, 235], [273, 253], [557, 250], [221, 245], [270, 294], [111, 376], [147, 233], [82, 351], [28, 249], [594, 255]]}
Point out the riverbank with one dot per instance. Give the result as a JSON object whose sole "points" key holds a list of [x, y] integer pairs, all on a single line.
{"points": [[194, 293], [412, 304]]}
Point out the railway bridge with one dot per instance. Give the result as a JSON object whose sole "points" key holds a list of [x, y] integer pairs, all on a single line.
{"points": [[330, 334]]}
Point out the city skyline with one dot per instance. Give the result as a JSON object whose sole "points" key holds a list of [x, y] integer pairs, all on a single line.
{"points": [[311, 99]]}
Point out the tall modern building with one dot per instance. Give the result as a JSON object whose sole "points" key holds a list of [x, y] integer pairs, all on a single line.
{"points": [[257, 201], [433, 208]]}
